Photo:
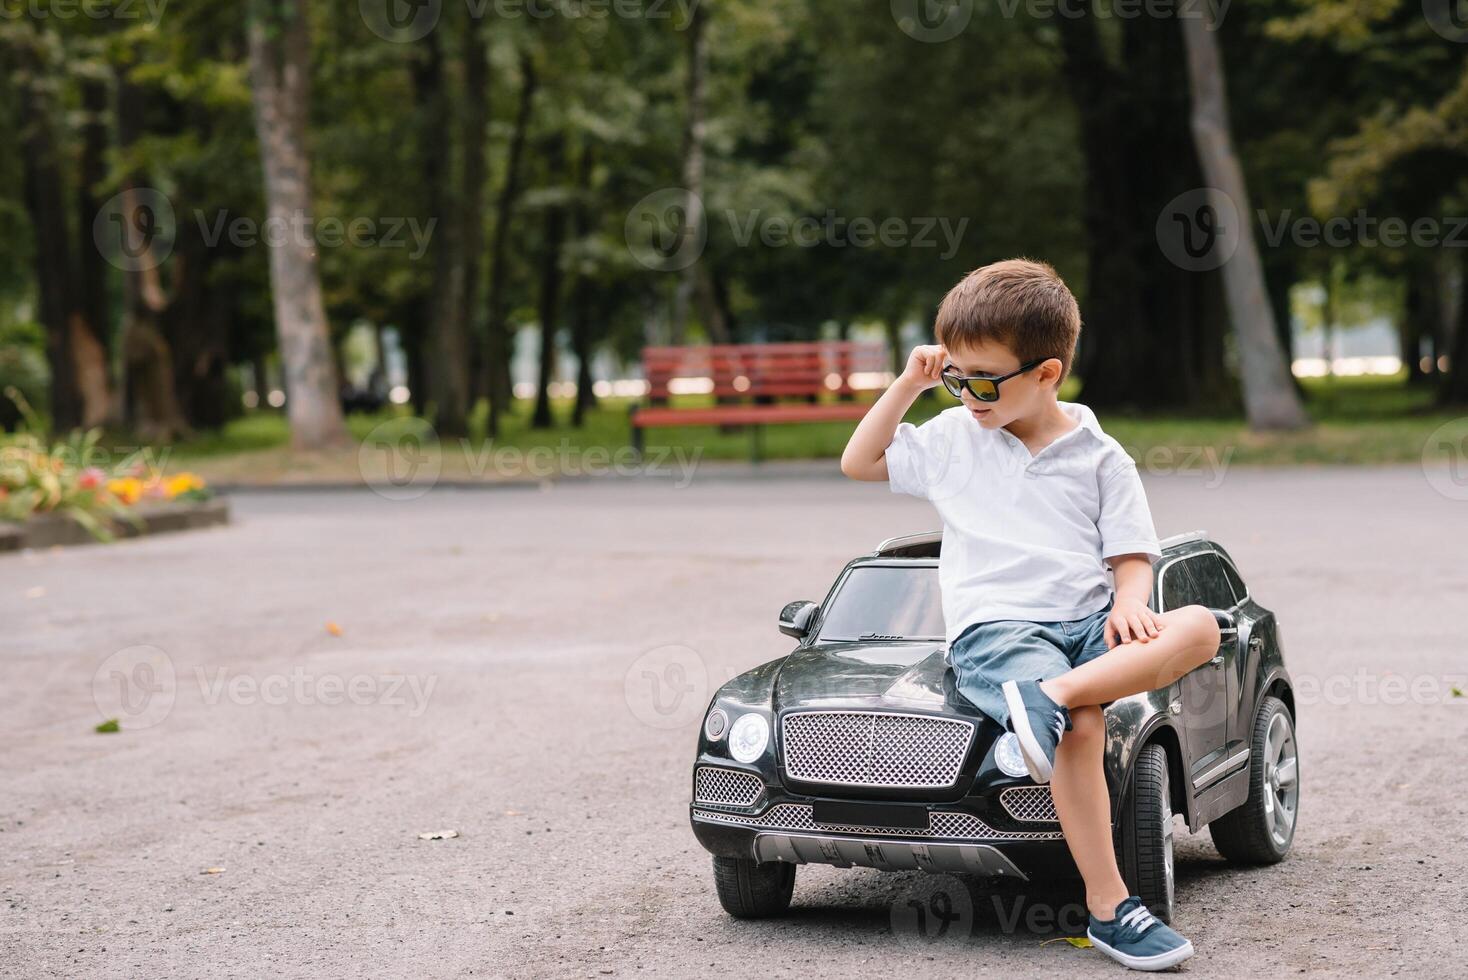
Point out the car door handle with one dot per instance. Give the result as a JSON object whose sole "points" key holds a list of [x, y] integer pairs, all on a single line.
{"points": [[1256, 645], [1217, 662]]}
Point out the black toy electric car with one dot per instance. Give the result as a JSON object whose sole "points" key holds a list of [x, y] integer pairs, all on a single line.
{"points": [[856, 749]]}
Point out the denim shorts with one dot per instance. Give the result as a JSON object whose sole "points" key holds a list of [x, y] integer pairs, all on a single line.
{"points": [[985, 655]]}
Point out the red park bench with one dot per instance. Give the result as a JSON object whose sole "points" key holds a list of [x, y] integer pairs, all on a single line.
{"points": [[750, 379]]}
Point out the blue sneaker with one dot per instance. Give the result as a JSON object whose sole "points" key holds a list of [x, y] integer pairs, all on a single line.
{"points": [[1135, 938], [1038, 723]]}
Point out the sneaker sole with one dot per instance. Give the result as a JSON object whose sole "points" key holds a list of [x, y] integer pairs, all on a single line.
{"points": [[1160, 961], [1029, 746]]}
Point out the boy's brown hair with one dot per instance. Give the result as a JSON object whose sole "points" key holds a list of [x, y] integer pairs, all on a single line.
{"points": [[1021, 303]]}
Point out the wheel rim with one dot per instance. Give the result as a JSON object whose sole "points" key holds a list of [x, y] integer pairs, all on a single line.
{"points": [[1167, 869], [1281, 780]]}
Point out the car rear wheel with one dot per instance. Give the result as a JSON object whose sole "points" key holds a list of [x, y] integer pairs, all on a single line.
{"points": [[1145, 833], [1262, 829], [753, 890]]}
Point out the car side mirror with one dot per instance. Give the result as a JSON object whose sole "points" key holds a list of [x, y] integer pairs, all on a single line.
{"points": [[796, 616], [1225, 620]]}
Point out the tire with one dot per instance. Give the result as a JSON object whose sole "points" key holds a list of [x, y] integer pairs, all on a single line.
{"points": [[1145, 833], [751, 890], [1261, 830]]}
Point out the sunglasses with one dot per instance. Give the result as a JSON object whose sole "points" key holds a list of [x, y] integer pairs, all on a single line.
{"points": [[984, 387]]}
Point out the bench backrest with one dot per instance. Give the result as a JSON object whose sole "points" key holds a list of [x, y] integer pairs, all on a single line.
{"points": [[769, 370]]}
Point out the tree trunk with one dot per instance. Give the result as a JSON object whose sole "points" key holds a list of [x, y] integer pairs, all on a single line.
{"points": [[280, 67], [1453, 388], [498, 348], [1270, 399], [43, 190], [448, 378], [89, 331], [550, 286], [582, 294], [694, 129], [1141, 347], [471, 195]]}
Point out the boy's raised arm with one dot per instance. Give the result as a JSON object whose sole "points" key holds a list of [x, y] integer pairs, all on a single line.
{"points": [[865, 457]]}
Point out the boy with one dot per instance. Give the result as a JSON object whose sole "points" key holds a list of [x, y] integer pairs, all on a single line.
{"points": [[1036, 501]]}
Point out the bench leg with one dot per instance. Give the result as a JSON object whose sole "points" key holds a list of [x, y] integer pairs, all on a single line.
{"points": [[637, 433]]}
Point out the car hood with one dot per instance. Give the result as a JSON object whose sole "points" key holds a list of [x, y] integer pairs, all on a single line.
{"points": [[902, 676]]}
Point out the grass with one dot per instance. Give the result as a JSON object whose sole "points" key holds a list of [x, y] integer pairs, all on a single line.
{"points": [[1357, 421]]}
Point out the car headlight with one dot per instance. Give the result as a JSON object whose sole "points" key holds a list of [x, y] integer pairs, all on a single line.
{"points": [[716, 724], [1007, 756], [748, 737]]}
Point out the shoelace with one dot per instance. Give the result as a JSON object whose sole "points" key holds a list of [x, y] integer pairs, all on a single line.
{"points": [[1138, 920]]}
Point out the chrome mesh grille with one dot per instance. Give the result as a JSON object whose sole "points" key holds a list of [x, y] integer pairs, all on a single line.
{"points": [[947, 825], [1030, 804], [726, 787], [868, 748]]}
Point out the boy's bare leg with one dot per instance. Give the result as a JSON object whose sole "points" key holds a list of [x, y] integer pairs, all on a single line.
{"points": [[1084, 806], [1189, 639]]}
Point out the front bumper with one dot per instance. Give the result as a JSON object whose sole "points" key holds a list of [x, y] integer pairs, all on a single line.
{"points": [[975, 835]]}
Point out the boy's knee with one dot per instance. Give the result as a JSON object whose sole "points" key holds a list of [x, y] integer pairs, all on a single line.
{"points": [[1200, 623], [1086, 724]]}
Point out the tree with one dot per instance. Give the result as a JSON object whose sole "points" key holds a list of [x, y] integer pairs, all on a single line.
{"points": [[1270, 399], [280, 69]]}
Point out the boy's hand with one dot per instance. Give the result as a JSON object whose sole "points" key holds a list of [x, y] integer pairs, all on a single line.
{"points": [[1130, 620], [924, 367]]}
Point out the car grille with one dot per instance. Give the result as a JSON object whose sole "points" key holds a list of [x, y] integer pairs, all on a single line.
{"points": [[1029, 804], [947, 825], [868, 748], [726, 787]]}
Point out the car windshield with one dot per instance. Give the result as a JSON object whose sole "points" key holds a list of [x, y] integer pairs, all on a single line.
{"points": [[885, 602]]}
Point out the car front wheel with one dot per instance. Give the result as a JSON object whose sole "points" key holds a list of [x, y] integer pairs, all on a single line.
{"points": [[1145, 832], [1262, 829], [751, 889]]}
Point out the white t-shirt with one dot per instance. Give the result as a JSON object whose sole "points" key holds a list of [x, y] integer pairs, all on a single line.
{"points": [[1024, 537]]}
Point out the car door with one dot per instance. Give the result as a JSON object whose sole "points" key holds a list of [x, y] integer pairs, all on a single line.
{"points": [[1202, 693]]}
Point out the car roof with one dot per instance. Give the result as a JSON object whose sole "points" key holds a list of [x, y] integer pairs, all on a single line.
{"points": [[928, 544]]}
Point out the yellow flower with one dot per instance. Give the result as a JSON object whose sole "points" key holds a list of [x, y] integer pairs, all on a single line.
{"points": [[127, 489], [181, 483]]}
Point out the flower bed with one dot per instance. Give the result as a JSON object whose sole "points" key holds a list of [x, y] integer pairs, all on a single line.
{"points": [[52, 491]]}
